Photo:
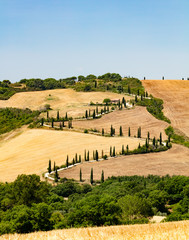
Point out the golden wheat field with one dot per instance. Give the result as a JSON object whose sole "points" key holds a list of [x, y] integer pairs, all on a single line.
{"points": [[30, 149], [64, 100], [158, 231]]}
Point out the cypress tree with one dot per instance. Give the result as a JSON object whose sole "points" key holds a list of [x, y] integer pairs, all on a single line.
{"points": [[120, 131], [58, 115], [56, 177], [114, 152], [89, 112], [54, 166], [97, 110], [125, 105], [146, 144], [47, 114], [146, 94], [96, 155], [73, 161], [86, 114], [104, 109], [102, 153], [136, 99], [67, 161], [66, 116], [76, 157], [52, 123], [141, 97], [42, 121], [160, 139], [148, 136], [110, 151], [91, 177], [123, 100], [49, 168], [154, 141], [102, 131], [80, 175], [60, 125], [63, 123], [108, 109], [88, 156], [85, 157], [139, 146], [129, 132], [102, 177], [127, 148], [112, 131], [122, 151], [138, 92], [101, 111], [94, 115], [169, 138], [80, 158], [95, 84]]}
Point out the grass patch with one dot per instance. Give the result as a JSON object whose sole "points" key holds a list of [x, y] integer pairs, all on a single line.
{"points": [[176, 138]]}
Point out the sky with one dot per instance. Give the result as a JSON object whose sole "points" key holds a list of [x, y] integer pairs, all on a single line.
{"points": [[64, 38]]}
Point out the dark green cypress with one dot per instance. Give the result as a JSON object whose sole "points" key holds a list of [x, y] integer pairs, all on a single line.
{"points": [[160, 139], [85, 157], [114, 153], [76, 157], [110, 151], [56, 177], [58, 115], [49, 168], [86, 114], [88, 156], [129, 132], [52, 123], [54, 166], [80, 175], [67, 161], [80, 158], [102, 131], [122, 152], [102, 177], [96, 155], [91, 177], [94, 115], [120, 131]]}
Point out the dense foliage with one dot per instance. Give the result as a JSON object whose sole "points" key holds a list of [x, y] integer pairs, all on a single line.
{"points": [[28, 204], [12, 118]]}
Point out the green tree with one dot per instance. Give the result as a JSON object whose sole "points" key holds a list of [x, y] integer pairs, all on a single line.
{"points": [[42, 121], [114, 153], [120, 131], [129, 132], [91, 177], [85, 156], [76, 157], [49, 168], [102, 131], [160, 139], [88, 155], [94, 115], [80, 158], [56, 176], [80, 175], [86, 114], [67, 161], [96, 155], [58, 115], [122, 151], [52, 123], [102, 177], [54, 168], [110, 151]]}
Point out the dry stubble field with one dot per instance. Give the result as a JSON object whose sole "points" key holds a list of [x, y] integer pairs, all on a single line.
{"points": [[159, 231], [64, 100], [30, 151], [133, 118], [175, 94]]}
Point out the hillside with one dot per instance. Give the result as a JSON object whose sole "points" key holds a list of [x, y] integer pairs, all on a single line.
{"points": [[158, 231], [30, 151], [175, 94], [64, 100]]}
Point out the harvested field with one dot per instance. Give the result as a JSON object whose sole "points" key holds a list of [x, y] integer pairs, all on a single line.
{"points": [[30, 151], [175, 94], [173, 162], [158, 231], [133, 118], [65, 100]]}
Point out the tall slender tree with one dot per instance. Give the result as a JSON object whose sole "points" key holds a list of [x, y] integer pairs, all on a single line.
{"points": [[49, 168], [160, 138], [102, 176], [102, 131], [91, 177], [120, 131], [56, 176], [54, 168], [67, 161], [114, 153], [58, 115], [96, 155], [88, 155], [129, 132], [86, 114], [110, 151], [80, 175]]}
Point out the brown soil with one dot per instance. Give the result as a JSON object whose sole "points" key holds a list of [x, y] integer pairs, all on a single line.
{"points": [[174, 162], [133, 118], [175, 95]]}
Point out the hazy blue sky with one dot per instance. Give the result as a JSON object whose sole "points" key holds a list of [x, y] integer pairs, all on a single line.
{"points": [[61, 38]]}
